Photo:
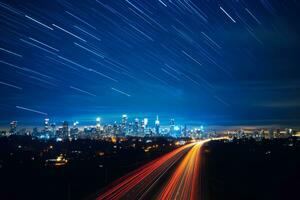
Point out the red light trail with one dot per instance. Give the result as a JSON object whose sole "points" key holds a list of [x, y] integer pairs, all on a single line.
{"points": [[182, 184]]}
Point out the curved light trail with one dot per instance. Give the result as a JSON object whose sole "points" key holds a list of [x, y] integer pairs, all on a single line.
{"points": [[183, 182], [133, 185]]}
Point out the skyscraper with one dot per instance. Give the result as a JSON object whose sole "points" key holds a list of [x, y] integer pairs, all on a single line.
{"points": [[136, 126], [46, 125], [124, 123], [157, 125], [53, 129], [145, 126], [65, 129], [172, 126], [13, 127], [98, 124]]}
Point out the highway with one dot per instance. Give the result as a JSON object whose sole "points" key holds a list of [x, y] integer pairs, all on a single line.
{"points": [[175, 175]]}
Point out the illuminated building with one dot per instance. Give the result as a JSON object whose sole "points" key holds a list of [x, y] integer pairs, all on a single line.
{"points": [[74, 130], [65, 129], [124, 119], [145, 129], [98, 124], [184, 131], [145, 122], [53, 129], [124, 123], [172, 126], [130, 127], [46, 125], [136, 126], [142, 127], [157, 125], [13, 127], [115, 128]]}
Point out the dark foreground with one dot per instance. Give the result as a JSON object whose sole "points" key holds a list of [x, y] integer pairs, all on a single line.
{"points": [[248, 170], [91, 166], [267, 169]]}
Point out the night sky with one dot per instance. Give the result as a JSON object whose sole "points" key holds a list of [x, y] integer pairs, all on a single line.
{"points": [[198, 61]]}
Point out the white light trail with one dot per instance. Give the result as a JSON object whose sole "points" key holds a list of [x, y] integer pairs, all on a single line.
{"points": [[13, 53], [30, 43], [11, 85], [83, 91], [93, 36], [91, 51], [224, 11], [46, 45], [191, 57], [31, 110], [163, 3], [121, 92], [40, 23], [68, 32], [79, 19]]}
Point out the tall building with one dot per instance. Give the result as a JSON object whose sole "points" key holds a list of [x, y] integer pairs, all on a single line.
{"points": [[157, 125], [124, 123], [46, 125], [53, 130], [65, 129], [136, 126], [13, 127], [142, 127], [124, 119], [172, 126], [145, 122], [98, 124], [145, 126], [184, 132], [115, 128]]}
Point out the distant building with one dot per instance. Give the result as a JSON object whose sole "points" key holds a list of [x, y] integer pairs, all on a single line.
{"points": [[157, 124], [172, 127], [136, 126], [46, 125], [53, 130], [98, 127], [13, 127], [65, 129], [124, 123]]}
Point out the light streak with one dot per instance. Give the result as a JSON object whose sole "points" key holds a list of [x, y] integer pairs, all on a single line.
{"points": [[13, 53], [91, 51], [185, 53], [25, 41], [121, 92], [68, 32], [224, 11], [146, 175], [184, 182], [31, 110], [11, 85], [81, 20], [40, 23], [93, 36], [46, 45], [160, 1], [83, 91]]}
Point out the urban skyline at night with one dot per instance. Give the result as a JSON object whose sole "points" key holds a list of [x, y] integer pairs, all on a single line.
{"points": [[149, 99]]}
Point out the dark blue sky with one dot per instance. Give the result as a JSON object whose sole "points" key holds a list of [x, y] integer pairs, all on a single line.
{"points": [[213, 62]]}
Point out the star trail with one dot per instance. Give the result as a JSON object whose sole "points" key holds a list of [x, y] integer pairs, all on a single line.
{"points": [[199, 61]]}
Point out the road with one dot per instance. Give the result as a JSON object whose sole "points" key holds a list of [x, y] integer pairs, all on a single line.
{"points": [[175, 175]]}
